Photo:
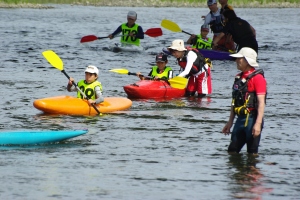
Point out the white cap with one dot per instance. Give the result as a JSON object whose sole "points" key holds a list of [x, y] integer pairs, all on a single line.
{"points": [[177, 45], [249, 54], [132, 14], [92, 69]]}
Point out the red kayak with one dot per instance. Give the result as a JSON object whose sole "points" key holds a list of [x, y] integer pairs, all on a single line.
{"points": [[148, 89]]}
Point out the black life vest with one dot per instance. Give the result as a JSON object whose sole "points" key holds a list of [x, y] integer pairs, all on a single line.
{"points": [[197, 65], [241, 97], [216, 23]]}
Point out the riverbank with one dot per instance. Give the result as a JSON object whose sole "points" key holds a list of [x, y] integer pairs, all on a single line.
{"points": [[151, 3]]}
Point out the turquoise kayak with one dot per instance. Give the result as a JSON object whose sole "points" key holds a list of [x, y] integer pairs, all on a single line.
{"points": [[37, 137]]}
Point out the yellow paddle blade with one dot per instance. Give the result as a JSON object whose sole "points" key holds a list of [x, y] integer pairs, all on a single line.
{"points": [[53, 59], [120, 71], [178, 82], [172, 26]]}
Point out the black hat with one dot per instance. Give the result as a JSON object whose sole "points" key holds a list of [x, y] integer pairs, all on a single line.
{"points": [[161, 57]]}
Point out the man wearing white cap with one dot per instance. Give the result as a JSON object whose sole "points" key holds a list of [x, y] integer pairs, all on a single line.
{"points": [[194, 66], [132, 32], [90, 86], [248, 103]]}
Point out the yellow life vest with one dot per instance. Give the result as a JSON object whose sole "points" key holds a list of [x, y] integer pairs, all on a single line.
{"points": [[165, 73], [202, 43], [88, 89], [129, 39]]}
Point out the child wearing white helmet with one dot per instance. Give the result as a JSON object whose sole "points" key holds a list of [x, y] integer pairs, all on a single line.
{"points": [[90, 86]]}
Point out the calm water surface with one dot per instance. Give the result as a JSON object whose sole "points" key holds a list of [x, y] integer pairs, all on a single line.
{"points": [[157, 149]]}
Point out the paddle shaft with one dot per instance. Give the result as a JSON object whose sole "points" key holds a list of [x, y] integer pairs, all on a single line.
{"points": [[134, 74], [64, 72], [186, 32], [99, 38], [130, 73], [152, 32]]}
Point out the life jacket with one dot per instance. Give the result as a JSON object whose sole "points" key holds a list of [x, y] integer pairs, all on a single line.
{"points": [[202, 43], [216, 23], [165, 73], [129, 39], [244, 102], [197, 65], [88, 89]]}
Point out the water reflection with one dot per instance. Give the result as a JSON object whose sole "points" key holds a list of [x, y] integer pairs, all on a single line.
{"points": [[248, 179]]}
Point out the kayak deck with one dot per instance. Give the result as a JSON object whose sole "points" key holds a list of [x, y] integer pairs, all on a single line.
{"points": [[68, 105], [37, 136], [149, 89]]}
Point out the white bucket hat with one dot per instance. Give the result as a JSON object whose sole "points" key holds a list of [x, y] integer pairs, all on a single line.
{"points": [[92, 69], [177, 45], [249, 54]]}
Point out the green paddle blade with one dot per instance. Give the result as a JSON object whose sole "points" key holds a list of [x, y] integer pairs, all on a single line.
{"points": [[53, 59], [178, 82], [120, 71], [172, 26]]}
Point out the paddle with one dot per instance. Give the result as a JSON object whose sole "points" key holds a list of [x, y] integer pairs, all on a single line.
{"points": [[152, 32], [122, 71], [172, 26], [176, 82], [56, 62]]}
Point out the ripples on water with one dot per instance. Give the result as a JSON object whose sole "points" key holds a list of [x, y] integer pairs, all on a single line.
{"points": [[158, 149]]}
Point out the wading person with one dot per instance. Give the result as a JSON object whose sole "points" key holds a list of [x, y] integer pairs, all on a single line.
{"points": [[248, 103], [131, 32], [194, 66], [90, 86], [243, 34], [215, 19]]}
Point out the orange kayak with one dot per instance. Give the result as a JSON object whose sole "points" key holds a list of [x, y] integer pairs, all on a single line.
{"points": [[68, 105]]}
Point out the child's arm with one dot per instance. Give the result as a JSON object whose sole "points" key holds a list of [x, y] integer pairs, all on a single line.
{"points": [[70, 84], [99, 95]]}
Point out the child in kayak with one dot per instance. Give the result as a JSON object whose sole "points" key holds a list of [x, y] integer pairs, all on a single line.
{"points": [[132, 32], [160, 71], [201, 41], [90, 86]]}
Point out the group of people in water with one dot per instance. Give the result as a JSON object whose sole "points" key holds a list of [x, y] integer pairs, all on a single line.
{"points": [[230, 33]]}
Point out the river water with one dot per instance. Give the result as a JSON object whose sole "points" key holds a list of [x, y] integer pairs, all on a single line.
{"points": [[158, 149]]}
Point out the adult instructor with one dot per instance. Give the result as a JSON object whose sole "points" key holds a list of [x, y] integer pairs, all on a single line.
{"points": [[243, 34], [248, 103], [194, 66], [216, 21]]}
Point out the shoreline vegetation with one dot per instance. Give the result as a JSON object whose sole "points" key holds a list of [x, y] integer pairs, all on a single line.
{"points": [[46, 4]]}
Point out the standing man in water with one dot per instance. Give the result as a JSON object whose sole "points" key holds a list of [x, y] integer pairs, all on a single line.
{"points": [[248, 103], [243, 34], [131, 32], [216, 21]]}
